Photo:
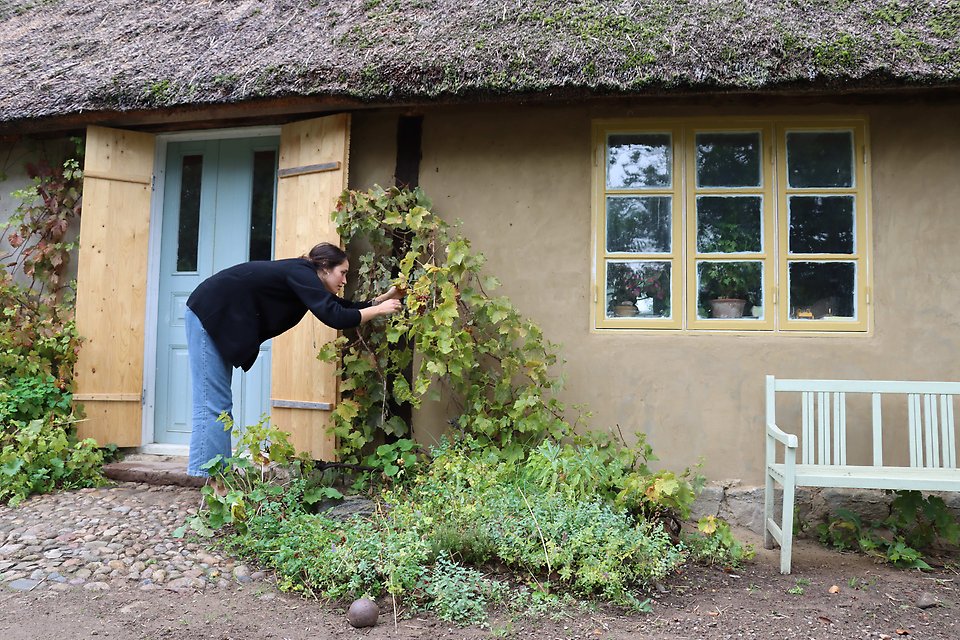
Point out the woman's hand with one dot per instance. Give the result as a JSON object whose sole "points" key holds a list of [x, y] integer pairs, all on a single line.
{"points": [[385, 308], [393, 293], [389, 306]]}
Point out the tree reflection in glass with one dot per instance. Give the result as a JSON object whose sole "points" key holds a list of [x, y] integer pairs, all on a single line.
{"points": [[729, 224], [728, 159], [637, 161], [820, 159], [638, 224], [821, 224]]}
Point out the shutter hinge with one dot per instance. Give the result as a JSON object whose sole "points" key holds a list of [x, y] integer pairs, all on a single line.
{"points": [[153, 183], [143, 397]]}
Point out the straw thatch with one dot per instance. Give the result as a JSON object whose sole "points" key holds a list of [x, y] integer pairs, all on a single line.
{"points": [[63, 57]]}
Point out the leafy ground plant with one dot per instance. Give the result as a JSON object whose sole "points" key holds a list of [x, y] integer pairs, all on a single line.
{"points": [[39, 451], [915, 524]]}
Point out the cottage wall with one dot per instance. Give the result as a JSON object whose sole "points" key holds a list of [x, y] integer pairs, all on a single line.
{"points": [[519, 178]]}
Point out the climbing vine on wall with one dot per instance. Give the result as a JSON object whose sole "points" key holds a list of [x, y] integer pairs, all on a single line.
{"points": [[495, 364]]}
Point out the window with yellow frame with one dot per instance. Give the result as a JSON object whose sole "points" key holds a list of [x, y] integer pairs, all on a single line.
{"points": [[745, 225]]}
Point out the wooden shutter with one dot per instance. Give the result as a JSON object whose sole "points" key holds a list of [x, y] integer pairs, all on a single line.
{"points": [[111, 283], [312, 175]]}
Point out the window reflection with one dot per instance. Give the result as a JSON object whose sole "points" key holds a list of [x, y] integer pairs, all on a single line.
{"points": [[637, 161], [261, 205], [822, 290], [820, 159], [188, 230], [729, 224], [638, 224], [821, 224], [728, 159]]}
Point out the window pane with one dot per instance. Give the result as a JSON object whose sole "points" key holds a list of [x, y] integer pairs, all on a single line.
{"points": [[728, 159], [188, 232], [261, 205], [638, 161], [820, 159], [821, 224], [638, 289], [638, 225], [729, 224], [822, 290], [730, 289]]}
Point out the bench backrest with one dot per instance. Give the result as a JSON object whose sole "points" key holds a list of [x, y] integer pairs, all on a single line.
{"points": [[930, 423]]}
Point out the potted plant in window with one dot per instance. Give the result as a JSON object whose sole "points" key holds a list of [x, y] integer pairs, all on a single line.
{"points": [[640, 292], [727, 286]]}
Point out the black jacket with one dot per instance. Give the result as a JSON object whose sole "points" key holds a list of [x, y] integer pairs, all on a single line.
{"points": [[243, 306]]}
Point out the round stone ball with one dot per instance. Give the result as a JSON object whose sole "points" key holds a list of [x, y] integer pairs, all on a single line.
{"points": [[363, 613]]}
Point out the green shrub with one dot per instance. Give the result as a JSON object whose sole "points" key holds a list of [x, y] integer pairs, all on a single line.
{"points": [[714, 544], [40, 457], [915, 524], [39, 342]]}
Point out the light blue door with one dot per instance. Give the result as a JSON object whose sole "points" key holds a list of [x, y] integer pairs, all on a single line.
{"points": [[218, 209]]}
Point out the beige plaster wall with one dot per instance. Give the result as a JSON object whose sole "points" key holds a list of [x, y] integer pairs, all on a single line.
{"points": [[519, 178]]}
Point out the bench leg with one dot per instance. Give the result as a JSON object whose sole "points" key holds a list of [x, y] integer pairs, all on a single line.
{"points": [[768, 512], [786, 523]]}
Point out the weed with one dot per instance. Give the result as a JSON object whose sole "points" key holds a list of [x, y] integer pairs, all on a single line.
{"points": [[798, 588]]}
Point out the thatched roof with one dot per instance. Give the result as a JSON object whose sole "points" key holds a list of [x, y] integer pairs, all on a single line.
{"points": [[63, 57]]}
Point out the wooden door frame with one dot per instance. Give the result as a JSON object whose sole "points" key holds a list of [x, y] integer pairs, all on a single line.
{"points": [[148, 437]]}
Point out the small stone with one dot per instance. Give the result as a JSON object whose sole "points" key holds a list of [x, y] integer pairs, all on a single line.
{"points": [[180, 583], [927, 600], [97, 586], [258, 575], [53, 554], [23, 584]]}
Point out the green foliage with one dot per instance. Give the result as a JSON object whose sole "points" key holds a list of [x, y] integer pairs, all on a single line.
{"points": [[396, 460], [714, 544], [242, 479], [596, 465], [496, 363], [38, 341], [467, 507], [39, 457], [460, 594], [915, 524], [480, 507]]}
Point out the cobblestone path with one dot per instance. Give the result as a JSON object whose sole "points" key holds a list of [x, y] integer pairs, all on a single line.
{"points": [[110, 538]]}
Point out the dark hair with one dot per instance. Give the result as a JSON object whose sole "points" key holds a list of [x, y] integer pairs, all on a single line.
{"points": [[326, 256]]}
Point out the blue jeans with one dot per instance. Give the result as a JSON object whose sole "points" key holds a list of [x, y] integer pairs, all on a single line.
{"points": [[210, 378]]}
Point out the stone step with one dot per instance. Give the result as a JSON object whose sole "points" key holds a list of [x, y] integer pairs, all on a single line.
{"points": [[156, 470]]}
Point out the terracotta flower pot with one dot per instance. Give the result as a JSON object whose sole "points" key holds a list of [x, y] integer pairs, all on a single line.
{"points": [[727, 308]]}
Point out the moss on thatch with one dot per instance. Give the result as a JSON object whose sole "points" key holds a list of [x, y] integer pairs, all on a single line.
{"points": [[66, 56]]}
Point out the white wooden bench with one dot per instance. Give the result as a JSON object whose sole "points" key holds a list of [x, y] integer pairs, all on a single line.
{"points": [[930, 437]]}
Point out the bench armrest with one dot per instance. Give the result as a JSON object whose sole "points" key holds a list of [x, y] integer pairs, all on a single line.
{"points": [[787, 439]]}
